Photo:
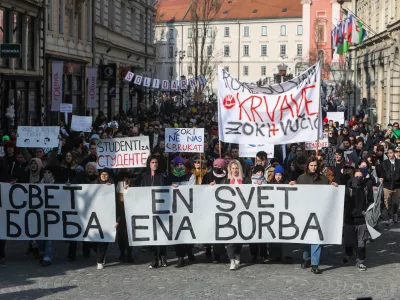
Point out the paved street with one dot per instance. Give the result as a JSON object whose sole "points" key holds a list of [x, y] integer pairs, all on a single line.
{"points": [[23, 278]]}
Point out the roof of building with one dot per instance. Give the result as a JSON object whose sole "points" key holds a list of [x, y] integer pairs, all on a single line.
{"points": [[179, 10]]}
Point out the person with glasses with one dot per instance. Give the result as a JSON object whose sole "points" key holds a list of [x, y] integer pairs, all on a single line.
{"points": [[199, 168]]}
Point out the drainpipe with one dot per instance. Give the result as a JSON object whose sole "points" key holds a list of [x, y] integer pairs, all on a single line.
{"points": [[43, 113], [238, 73]]}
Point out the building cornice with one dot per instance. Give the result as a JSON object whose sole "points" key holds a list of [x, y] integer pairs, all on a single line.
{"points": [[234, 21]]}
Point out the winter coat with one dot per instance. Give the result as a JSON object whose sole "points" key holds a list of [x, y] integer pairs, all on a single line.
{"points": [[312, 179], [359, 195], [391, 177]]}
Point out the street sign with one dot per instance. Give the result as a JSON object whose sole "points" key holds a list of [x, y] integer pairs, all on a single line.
{"points": [[10, 50], [109, 72]]}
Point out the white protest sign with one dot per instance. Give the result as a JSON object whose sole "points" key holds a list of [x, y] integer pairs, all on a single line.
{"points": [[336, 116], [203, 214], [81, 123], [184, 140], [129, 76], [323, 143], [250, 150], [279, 114], [66, 107], [130, 152], [38, 136], [58, 212]]}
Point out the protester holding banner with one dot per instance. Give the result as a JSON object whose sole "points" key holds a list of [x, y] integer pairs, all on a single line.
{"points": [[312, 176], [105, 177], [153, 177], [235, 176], [4, 177], [199, 169], [178, 177]]}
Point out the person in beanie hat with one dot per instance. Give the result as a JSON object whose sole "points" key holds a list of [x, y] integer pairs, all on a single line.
{"points": [[279, 175], [179, 177]]}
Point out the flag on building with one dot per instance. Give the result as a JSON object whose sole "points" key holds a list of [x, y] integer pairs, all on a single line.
{"points": [[340, 41], [334, 40], [348, 27], [362, 33]]}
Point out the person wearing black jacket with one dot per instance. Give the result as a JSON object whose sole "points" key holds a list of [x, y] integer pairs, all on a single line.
{"points": [[389, 175], [153, 177], [19, 172], [337, 169], [4, 177], [359, 195]]}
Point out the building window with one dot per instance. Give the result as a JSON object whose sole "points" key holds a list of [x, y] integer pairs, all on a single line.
{"points": [[141, 32], [190, 70], [71, 23], [170, 52], [162, 35], [209, 50], [299, 50], [226, 68], [171, 71], [80, 26], [123, 17], [171, 33], [245, 50], [282, 50], [209, 32], [3, 37], [200, 32], [283, 29], [190, 51], [245, 70], [61, 8], [264, 30], [50, 15], [226, 51], [88, 21], [299, 29], [321, 33], [226, 32], [17, 35], [190, 32], [30, 27], [101, 12], [133, 24], [111, 14], [263, 50], [246, 31], [263, 70]]}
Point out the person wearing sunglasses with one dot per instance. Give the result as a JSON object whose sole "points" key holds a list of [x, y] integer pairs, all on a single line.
{"points": [[199, 168]]}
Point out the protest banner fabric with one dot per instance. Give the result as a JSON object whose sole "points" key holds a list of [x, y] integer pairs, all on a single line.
{"points": [[130, 152], [373, 213], [58, 212], [204, 214], [184, 140], [337, 116], [251, 150], [92, 90], [38, 136], [81, 123], [322, 143], [56, 84], [278, 114]]}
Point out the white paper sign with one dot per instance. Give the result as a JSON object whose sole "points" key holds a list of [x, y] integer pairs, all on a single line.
{"points": [[74, 212], [323, 143], [279, 114], [81, 123], [336, 116], [251, 150], [38, 136], [184, 140], [130, 152], [129, 76], [204, 214], [66, 107]]}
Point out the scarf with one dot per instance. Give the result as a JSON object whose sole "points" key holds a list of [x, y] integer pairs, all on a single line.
{"points": [[220, 175], [199, 174], [179, 173]]}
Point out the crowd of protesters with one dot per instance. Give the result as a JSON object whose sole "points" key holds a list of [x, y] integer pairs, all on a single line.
{"points": [[372, 157]]}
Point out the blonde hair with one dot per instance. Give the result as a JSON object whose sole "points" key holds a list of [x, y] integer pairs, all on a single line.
{"points": [[235, 162]]}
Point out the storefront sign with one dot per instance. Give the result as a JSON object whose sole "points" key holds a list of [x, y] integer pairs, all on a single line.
{"points": [[56, 85], [92, 91], [10, 50], [109, 72]]}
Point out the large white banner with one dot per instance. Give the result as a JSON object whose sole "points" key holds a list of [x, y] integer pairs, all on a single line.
{"points": [[56, 85], [81, 123], [184, 140], [58, 212], [38, 136], [278, 114], [92, 92], [204, 214], [251, 150], [130, 152]]}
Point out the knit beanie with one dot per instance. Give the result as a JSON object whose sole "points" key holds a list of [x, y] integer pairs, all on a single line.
{"points": [[220, 162], [279, 170], [178, 160]]}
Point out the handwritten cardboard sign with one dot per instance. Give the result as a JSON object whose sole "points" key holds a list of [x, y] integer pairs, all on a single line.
{"points": [[81, 123], [38, 136], [184, 140]]}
